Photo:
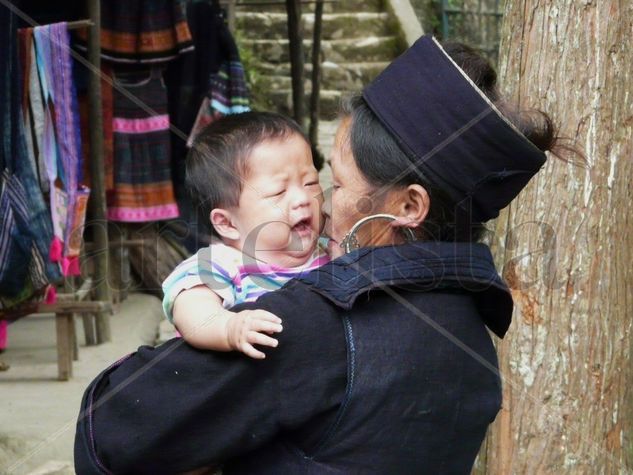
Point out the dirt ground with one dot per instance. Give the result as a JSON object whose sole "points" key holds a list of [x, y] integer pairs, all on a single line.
{"points": [[38, 414]]}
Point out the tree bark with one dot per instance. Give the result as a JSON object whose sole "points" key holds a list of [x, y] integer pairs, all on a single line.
{"points": [[566, 246]]}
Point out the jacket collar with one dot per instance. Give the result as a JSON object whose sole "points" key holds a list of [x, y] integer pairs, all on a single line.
{"points": [[423, 266]]}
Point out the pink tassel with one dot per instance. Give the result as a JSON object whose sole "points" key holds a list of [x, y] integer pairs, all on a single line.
{"points": [[51, 295], [56, 250], [4, 325], [73, 266], [65, 265], [70, 266]]}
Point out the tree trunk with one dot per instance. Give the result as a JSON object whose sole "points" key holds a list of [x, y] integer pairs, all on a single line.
{"points": [[295, 45], [566, 246]]}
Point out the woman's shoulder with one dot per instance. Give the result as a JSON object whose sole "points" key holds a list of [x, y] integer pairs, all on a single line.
{"points": [[294, 298], [302, 310]]}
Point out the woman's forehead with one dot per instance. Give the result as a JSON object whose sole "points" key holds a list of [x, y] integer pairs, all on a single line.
{"points": [[344, 167], [342, 138], [342, 152]]}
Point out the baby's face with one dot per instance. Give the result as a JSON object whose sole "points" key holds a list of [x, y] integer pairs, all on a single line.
{"points": [[279, 213]]}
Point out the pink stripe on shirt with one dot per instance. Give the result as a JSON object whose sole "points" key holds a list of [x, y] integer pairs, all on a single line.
{"points": [[262, 268]]}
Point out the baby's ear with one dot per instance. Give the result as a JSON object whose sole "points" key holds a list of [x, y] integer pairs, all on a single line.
{"points": [[222, 222]]}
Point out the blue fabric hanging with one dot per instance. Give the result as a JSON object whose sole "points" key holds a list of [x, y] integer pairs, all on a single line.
{"points": [[25, 225]]}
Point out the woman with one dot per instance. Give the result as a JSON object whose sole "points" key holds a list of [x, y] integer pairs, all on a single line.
{"points": [[384, 364]]}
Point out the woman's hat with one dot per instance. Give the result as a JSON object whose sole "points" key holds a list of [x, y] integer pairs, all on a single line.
{"points": [[451, 131]]}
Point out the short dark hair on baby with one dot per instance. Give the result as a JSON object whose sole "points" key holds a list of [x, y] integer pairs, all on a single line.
{"points": [[218, 160]]}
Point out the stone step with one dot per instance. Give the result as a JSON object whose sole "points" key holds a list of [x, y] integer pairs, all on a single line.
{"points": [[335, 25], [328, 7], [366, 70], [327, 132], [329, 103], [371, 49], [335, 76]]}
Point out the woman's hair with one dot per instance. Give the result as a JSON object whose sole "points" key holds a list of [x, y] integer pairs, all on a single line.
{"points": [[384, 164], [218, 161]]}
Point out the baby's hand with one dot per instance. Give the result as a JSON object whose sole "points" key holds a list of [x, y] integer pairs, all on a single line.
{"points": [[248, 328]]}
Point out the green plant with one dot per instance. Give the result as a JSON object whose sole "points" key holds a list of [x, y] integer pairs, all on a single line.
{"points": [[256, 85]]}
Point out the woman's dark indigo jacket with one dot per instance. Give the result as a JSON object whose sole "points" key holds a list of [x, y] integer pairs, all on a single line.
{"points": [[384, 366]]}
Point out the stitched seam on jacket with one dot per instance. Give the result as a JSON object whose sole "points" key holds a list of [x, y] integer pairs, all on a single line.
{"points": [[430, 265], [352, 296], [93, 445], [489, 276], [351, 365]]}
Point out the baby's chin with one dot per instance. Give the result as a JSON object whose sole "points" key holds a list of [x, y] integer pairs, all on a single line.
{"points": [[302, 246]]}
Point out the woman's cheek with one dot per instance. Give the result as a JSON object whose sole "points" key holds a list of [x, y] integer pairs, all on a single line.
{"points": [[335, 212], [342, 215]]}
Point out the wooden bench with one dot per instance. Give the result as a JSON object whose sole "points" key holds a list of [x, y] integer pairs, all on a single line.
{"points": [[68, 304]]}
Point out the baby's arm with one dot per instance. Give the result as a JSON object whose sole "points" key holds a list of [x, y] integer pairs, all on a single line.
{"points": [[203, 322]]}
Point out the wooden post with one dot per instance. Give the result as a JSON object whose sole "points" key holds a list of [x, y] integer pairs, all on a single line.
{"points": [[316, 75], [73, 337], [63, 321], [97, 198], [119, 261], [69, 288], [295, 44], [88, 319], [445, 32], [89, 328]]}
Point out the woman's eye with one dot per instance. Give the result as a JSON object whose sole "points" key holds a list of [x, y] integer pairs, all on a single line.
{"points": [[335, 187], [312, 183]]}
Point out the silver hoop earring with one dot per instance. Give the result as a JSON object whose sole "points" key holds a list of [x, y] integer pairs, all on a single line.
{"points": [[350, 241]]}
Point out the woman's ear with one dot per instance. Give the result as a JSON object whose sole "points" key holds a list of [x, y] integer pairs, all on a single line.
{"points": [[413, 206], [222, 222]]}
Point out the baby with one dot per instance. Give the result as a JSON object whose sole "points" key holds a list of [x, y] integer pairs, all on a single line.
{"points": [[253, 175]]}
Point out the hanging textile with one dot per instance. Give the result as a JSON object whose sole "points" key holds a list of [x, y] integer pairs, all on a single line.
{"points": [[225, 91], [142, 31], [228, 95], [60, 141], [143, 190], [187, 80], [25, 224], [193, 81], [33, 111]]}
